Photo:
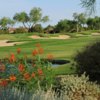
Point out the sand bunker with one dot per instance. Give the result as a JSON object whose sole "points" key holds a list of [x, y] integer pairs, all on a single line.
{"points": [[6, 43], [59, 37], [95, 34]]}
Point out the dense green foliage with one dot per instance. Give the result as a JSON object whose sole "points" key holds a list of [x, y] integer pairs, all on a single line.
{"points": [[66, 26], [37, 28], [88, 61], [93, 23], [6, 22]]}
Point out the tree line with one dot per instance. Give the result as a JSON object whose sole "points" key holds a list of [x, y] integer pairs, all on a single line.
{"points": [[79, 23], [28, 21], [32, 23]]}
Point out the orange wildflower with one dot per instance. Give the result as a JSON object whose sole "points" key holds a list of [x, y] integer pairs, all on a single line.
{"points": [[12, 58], [21, 67], [38, 45], [35, 52], [27, 76], [18, 50], [49, 56], [33, 75], [4, 83], [12, 78], [2, 68], [40, 50], [40, 72]]}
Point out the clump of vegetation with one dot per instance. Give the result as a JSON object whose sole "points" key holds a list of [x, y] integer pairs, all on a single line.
{"points": [[37, 28], [78, 88], [73, 88], [4, 31], [15, 94], [21, 30], [88, 61], [21, 72]]}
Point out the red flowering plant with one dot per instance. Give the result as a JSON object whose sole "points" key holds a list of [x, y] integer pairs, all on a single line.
{"points": [[26, 73]]}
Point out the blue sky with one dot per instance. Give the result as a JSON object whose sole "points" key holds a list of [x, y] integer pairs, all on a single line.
{"points": [[55, 9]]}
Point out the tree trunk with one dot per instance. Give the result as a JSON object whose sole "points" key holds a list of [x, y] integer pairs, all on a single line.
{"points": [[77, 28], [24, 25]]}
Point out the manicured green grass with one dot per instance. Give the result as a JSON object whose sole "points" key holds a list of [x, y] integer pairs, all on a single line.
{"points": [[61, 49], [16, 37]]}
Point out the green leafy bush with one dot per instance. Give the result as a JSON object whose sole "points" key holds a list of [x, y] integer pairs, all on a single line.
{"points": [[88, 61], [21, 30], [37, 28], [4, 31]]}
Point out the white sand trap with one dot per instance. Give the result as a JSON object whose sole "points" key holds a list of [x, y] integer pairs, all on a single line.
{"points": [[62, 37], [95, 34], [59, 37], [35, 37], [4, 43]]}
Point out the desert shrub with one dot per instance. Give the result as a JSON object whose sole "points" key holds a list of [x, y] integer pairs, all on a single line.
{"points": [[88, 61], [21, 30], [73, 88], [15, 94], [77, 88], [21, 72], [37, 28], [4, 31]]}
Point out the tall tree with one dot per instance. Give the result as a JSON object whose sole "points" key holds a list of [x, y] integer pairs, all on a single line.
{"points": [[75, 15], [80, 20], [6, 22], [89, 5], [22, 18], [30, 20], [36, 16], [90, 23], [65, 26], [93, 23]]}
